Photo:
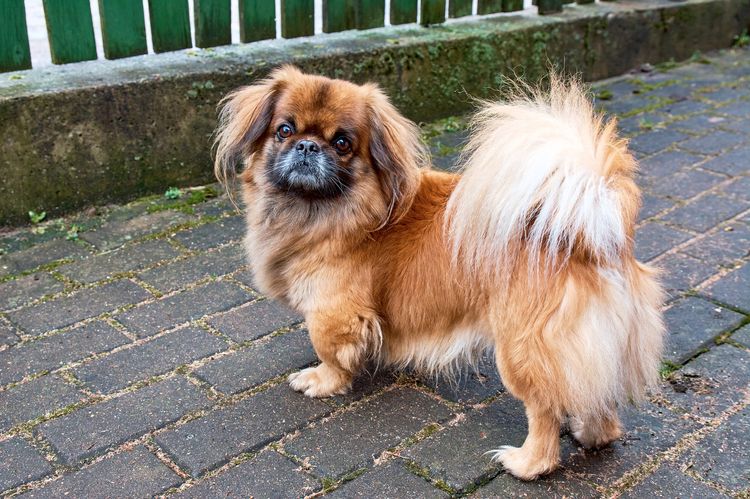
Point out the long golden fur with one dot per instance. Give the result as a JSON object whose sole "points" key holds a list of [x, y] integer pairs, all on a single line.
{"points": [[529, 252]]}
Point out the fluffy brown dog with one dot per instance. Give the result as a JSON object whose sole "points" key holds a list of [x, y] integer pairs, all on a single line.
{"points": [[529, 252]]}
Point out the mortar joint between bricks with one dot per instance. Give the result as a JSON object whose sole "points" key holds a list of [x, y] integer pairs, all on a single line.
{"points": [[165, 458]]}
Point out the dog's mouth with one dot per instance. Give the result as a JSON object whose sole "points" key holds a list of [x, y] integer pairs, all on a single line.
{"points": [[311, 177]]}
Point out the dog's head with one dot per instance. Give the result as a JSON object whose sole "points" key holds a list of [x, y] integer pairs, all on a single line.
{"points": [[315, 140]]}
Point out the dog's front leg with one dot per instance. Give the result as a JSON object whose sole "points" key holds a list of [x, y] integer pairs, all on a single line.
{"points": [[343, 340]]}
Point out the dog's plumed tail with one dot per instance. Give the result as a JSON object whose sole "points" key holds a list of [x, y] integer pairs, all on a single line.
{"points": [[544, 174], [547, 197]]}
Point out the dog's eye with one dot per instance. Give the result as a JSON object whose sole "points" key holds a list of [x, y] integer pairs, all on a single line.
{"points": [[284, 131], [342, 145]]}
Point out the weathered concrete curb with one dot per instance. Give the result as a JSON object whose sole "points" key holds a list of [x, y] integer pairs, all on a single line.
{"points": [[98, 132]]}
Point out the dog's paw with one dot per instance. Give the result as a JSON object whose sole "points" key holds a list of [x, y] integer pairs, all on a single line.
{"points": [[592, 436], [320, 381], [518, 463]]}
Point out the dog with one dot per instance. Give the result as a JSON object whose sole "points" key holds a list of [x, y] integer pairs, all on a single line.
{"points": [[528, 252]]}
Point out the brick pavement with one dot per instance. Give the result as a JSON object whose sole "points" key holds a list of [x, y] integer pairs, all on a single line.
{"points": [[137, 360]]}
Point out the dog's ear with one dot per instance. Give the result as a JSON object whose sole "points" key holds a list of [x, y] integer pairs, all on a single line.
{"points": [[244, 117], [397, 154]]}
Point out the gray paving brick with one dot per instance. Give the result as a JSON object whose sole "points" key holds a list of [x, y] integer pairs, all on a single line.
{"points": [[724, 456], [133, 473], [724, 94], [652, 205], [372, 379], [712, 143], [686, 184], [390, 480], [501, 423], [68, 310], [666, 163], [216, 207], [556, 485], [705, 212], [732, 289], [40, 254], [366, 431], [740, 109], [701, 123], [711, 383], [177, 275], [682, 272], [687, 107], [54, 351], [734, 162], [252, 366], [8, 334], [212, 440], [739, 189], [667, 481], [26, 289], [723, 247], [267, 476], [653, 239], [472, 386], [183, 307], [20, 463], [742, 336], [34, 399], [127, 259], [655, 141], [255, 320], [211, 235], [159, 356], [246, 278], [117, 232], [741, 126], [692, 324], [92, 430]]}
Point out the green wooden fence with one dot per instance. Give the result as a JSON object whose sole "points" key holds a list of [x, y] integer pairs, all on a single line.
{"points": [[71, 31]]}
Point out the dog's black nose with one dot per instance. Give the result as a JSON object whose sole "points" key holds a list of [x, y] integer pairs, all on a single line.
{"points": [[307, 146]]}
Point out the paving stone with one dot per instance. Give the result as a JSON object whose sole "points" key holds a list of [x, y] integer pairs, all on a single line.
{"points": [[667, 162], [692, 324], [685, 184], [557, 485], [741, 126], [370, 380], [210, 441], [682, 272], [246, 278], [742, 336], [24, 290], [211, 235], [648, 429], [653, 239], [116, 232], [739, 189], [734, 162], [656, 140], [7, 333], [89, 302], [724, 456], [705, 212], [711, 383], [724, 94], [668, 482], [92, 430], [20, 463], [635, 125], [268, 475], [701, 123], [652, 205], [173, 310], [366, 431], [712, 143], [732, 289], [254, 365], [177, 275], [218, 207], [41, 254], [159, 356], [472, 386], [133, 473], [687, 107], [623, 105], [390, 480], [723, 247], [740, 109], [127, 259], [255, 320], [501, 423], [34, 399], [52, 352]]}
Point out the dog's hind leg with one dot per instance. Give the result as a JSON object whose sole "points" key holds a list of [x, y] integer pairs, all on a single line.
{"points": [[596, 431]]}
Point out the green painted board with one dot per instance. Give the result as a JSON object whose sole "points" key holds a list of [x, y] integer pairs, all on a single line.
{"points": [[370, 13], [489, 6], [512, 5], [297, 18], [257, 20], [213, 23], [14, 40], [123, 28], [433, 12], [404, 11], [339, 15], [70, 30], [459, 8], [170, 25], [549, 6]]}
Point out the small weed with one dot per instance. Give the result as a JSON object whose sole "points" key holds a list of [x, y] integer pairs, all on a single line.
{"points": [[742, 40], [16, 77], [646, 124], [72, 233], [667, 65], [604, 94], [699, 58], [173, 193], [37, 217], [667, 368]]}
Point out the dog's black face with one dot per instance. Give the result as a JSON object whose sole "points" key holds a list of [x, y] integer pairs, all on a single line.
{"points": [[308, 165]]}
